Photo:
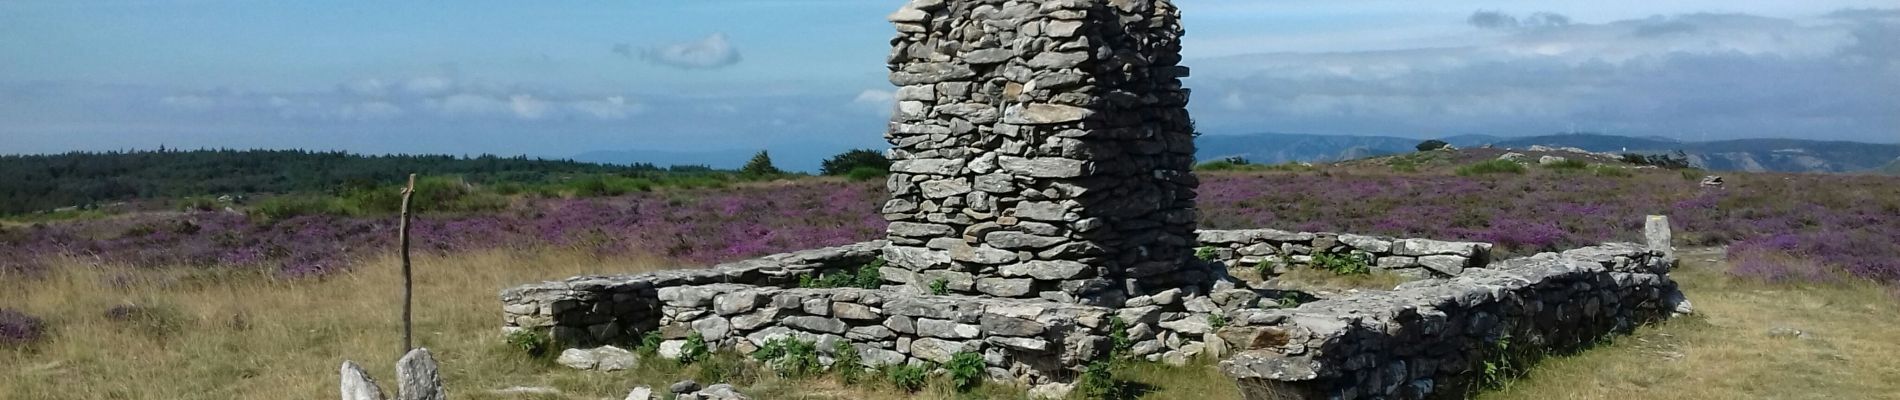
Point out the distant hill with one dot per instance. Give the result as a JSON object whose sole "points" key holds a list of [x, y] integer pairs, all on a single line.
{"points": [[47, 181], [1778, 155], [1757, 155], [1275, 148]]}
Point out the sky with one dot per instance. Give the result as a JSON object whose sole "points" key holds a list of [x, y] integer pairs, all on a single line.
{"points": [[556, 79]]}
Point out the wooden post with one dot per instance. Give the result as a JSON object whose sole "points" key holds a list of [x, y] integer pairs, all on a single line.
{"points": [[408, 285]]}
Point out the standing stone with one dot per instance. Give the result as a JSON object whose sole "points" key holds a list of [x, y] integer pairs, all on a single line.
{"points": [[1658, 236], [357, 385], [417, 377], [1063, 156]]}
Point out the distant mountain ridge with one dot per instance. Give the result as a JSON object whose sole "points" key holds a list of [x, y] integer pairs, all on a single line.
{"points": [[1758, 155]]}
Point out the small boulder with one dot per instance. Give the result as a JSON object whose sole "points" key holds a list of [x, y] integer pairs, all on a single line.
{"points": [[683, 387], [640, 393]]}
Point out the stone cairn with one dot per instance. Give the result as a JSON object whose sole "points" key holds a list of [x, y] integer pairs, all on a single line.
{"points": [[1042, 216], [1042, 149]]}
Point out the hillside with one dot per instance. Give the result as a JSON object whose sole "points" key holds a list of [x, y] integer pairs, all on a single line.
{"points": [[1755, 155], [43, 182], [1275, 148]]}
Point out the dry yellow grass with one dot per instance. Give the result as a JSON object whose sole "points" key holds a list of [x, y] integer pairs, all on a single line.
{"points": [[1726, 352], [241, 335]]}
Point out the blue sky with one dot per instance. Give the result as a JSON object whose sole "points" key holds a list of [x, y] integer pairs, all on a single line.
{"points": [[563, 78]]}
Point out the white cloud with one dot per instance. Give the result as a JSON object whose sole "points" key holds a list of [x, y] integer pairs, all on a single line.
{"points": [[528, 107], [713, 51], [610, 108]]}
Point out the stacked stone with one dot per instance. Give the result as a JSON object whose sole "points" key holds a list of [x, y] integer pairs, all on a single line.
{"points": [[1041, 148], [1028, 341], [586, 311], [1413, 258], [1433, 337]]}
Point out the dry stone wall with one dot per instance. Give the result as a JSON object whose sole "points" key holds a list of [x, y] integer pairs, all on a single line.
{"points": [[1041, 148], [1282, 250], [1433, 338]]}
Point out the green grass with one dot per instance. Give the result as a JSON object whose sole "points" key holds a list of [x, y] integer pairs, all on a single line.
{"points": [[1491, 167]]}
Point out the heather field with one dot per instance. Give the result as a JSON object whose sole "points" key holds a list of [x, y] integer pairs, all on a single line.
{"points": [[220, 305], [1842, 225]]}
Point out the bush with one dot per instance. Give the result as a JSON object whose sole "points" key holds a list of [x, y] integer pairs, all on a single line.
{"points": [[531, 341], [909, 378], [966, 370], [1568, 164], [1433, 144], [1491, 167], [789, 356], [760, 165], [1205, 253], [649, 343], [155, 320], [1098, 382], [862, 174], [845, 360], [850, 162], [695, 349], [18, 329], [1343, 264]]}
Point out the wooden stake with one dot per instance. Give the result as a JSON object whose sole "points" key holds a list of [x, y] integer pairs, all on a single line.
{"points": [[408, 285]]}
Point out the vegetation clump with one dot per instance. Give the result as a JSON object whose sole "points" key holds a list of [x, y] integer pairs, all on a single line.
{"points": [[1491, 167], [856, 162], [865, 277], [790, 356], [760, 165], [533, 342], [966, 370], [1343, 264], [909, 378], [19, 329]]}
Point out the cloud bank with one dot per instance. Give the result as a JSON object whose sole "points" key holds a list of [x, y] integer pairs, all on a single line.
{"points": [[1689, 76]]}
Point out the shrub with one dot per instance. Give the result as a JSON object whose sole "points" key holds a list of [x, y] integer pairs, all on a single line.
{"points": [[1343, 264], [760, 165], [909, 378], [1098, 382], [1430, 145], [1568, 164], [154, 320], [966, 370], [531, 341], [1118, 341], [1205, 253], [940, 287], [695, 349], [868, 275], [1216, 321], [1491, 167], [861, 174], [789, 356], [845, 360], [850, 162], [649, 343], [18, 329]]}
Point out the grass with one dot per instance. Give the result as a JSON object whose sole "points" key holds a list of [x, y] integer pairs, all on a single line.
{"points": [[1724, 351], [1491, 167], [235, 334]]}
